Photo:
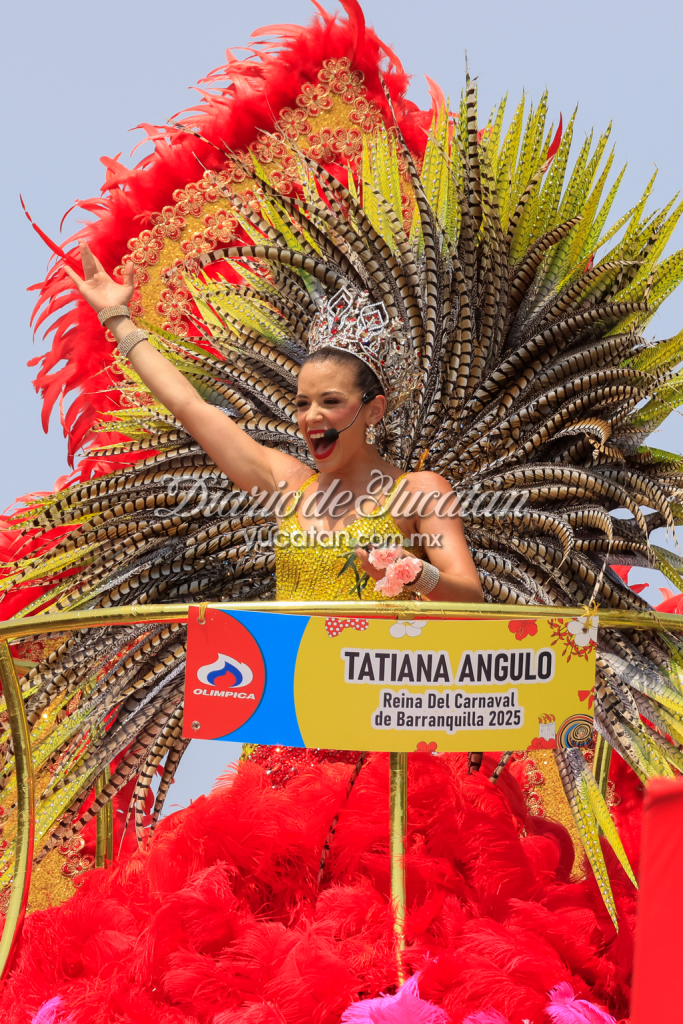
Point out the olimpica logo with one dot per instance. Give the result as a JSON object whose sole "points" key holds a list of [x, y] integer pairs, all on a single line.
{"points": [[225, 671]]}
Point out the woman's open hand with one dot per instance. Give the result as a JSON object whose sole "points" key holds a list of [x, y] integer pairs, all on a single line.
{"points": [[98, 289]]}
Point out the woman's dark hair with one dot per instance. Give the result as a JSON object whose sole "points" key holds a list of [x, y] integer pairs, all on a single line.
{"points": [[366, 379]]}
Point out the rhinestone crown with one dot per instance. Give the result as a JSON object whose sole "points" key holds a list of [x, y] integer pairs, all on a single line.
{"points": [[364, 329]]}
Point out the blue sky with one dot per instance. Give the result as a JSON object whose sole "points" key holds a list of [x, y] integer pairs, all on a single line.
{"points": [[78, 76]]}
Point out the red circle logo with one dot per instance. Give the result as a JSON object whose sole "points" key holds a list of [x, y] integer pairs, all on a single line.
{"points": [[225, 676]]}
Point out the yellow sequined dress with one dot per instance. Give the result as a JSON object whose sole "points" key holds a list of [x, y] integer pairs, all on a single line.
{"points": [[308, 565]]}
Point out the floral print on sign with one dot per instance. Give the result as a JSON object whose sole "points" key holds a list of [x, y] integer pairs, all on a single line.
{"points": [[578, 636]]}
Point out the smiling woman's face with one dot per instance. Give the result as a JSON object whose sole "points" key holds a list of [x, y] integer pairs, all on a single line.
{"points": [[329, 396]]}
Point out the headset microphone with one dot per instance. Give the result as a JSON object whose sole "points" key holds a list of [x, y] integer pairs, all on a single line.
{"points": [[331, 434]]}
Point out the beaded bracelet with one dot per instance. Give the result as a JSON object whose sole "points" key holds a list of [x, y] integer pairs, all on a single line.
{"points": [[426, 581], [110, 311], [131, 340]]}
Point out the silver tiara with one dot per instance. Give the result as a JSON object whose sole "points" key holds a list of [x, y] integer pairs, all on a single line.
{"points": [[364, 329]]}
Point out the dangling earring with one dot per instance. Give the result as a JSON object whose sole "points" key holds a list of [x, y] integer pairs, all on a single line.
{"points": [[371, 433]]}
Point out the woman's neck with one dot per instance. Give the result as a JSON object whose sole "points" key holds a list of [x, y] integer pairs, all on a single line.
{"points": [[357, 473]]}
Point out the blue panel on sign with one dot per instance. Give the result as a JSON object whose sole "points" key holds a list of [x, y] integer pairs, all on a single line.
{"points": [[279, 637]]}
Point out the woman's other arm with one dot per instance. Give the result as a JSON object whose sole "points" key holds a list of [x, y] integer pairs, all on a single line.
{"points": [[441, 536]]}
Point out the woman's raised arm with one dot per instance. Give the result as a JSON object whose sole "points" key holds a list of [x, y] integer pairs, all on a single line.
{"points": [[247, 463]]}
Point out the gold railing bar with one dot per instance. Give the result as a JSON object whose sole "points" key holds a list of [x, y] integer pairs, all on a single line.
{"points": [[14, 629], [23, 760], [104, 836]]}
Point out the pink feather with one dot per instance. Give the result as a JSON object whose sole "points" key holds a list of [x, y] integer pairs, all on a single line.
{"points": [[565, 1008], [49, 1013], [406, 1007]]}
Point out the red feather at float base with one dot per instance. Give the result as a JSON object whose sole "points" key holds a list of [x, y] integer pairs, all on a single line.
{"points": [[220, 920]]}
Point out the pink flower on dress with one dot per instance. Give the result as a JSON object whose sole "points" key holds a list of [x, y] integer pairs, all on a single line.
{"points": [[388, 586], [405, 570], [382, 558]]}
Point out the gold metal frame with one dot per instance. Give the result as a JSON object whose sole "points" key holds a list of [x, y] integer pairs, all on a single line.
{"points": [[15, 629], [23, 760], [398, 831]]}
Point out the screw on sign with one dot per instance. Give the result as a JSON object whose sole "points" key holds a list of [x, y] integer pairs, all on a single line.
{"points": [[196, 725]]}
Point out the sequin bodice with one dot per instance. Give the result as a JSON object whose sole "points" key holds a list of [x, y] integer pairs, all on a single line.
{"points": [[308, 566]]}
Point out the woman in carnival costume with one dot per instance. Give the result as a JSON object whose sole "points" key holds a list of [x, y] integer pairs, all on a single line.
{"points": [[360, 365], [355, 291]]}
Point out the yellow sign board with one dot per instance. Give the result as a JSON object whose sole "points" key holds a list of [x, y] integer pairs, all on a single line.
{"points": [[451, 685], [379, 684]]}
